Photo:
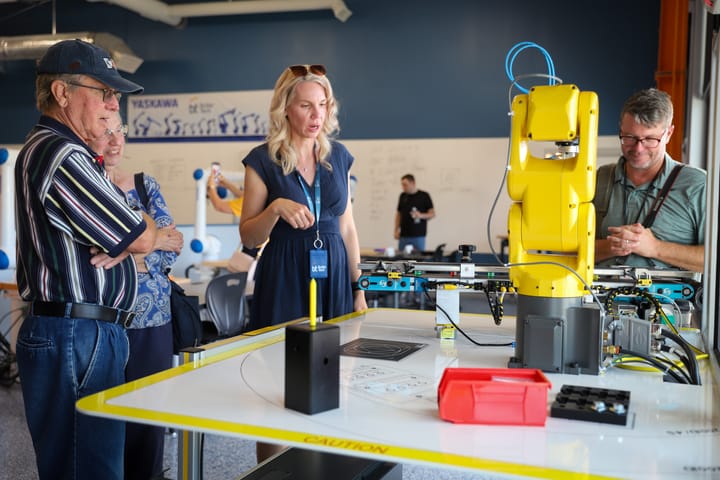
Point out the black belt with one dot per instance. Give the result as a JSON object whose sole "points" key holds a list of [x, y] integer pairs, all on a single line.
{"points": [[83, 310]]}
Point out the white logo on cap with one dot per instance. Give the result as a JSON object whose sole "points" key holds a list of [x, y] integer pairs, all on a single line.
{"points": [[108, 62]]}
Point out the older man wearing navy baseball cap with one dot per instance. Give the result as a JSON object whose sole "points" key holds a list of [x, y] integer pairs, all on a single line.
{"points": [[82, 58], [76, 234]]}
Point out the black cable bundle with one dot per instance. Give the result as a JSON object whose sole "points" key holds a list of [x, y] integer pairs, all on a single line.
{"points": [[690, 359], [692, 376], [666, 369]]}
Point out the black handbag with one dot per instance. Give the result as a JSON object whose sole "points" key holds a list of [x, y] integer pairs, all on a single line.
{"points": [[186, 322]]}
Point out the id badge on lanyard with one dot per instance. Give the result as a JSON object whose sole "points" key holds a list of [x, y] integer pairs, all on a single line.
{"points": [[318, 262], [318, 257]]}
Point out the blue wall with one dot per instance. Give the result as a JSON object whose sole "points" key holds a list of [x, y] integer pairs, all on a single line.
{"points": [[400, 68]]}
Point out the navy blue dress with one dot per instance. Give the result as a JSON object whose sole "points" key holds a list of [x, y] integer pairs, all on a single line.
{"points": [[282, 277]]}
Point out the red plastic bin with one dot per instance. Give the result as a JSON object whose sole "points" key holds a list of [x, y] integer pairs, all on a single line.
{"points": [[499, 396]]}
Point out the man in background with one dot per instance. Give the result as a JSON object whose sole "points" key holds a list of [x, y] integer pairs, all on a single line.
{"points": [[75, 237], [414, 209]]}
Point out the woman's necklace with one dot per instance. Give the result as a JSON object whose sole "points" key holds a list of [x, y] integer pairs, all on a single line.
{"points": [[305, 168]]}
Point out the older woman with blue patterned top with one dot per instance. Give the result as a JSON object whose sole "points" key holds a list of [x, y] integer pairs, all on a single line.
{"points": [[150, 335]]}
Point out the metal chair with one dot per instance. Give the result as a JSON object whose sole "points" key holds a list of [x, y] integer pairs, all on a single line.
{"points": [[227, 304]]}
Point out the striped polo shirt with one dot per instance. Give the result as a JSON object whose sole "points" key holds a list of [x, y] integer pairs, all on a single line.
{"points": [[65, 204]]}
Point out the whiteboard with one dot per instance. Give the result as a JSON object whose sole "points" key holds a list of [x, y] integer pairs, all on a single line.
{"points": [[462, 175]]}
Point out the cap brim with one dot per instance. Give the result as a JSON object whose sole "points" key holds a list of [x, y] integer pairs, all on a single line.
{"points": [[116, 82]]}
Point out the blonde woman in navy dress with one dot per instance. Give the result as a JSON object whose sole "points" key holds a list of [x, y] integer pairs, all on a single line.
{"points": [[298, 175]]}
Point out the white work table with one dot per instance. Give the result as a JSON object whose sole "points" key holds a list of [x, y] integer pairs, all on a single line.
{"points": [[388, 409]]}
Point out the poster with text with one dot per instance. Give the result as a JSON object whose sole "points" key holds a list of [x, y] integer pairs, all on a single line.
{"points": [[194, 117]]}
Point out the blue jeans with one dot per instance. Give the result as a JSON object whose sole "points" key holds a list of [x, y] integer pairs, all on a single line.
{"points": [[61, 360], [418, 243]]}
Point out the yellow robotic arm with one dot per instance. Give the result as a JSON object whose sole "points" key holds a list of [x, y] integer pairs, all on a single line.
{"points": [[553, 218]]}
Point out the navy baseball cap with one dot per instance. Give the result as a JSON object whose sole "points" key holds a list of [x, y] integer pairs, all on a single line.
{"points": [[78, 57]]}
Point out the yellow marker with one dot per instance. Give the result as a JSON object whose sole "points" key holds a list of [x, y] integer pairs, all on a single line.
{"points": [[313, 303]]}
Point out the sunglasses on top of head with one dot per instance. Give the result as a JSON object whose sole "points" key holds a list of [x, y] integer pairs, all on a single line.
{"points": [[302, 70]]}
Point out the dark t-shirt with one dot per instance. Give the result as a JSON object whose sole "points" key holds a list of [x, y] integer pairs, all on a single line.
{"points": [[409, 227]]}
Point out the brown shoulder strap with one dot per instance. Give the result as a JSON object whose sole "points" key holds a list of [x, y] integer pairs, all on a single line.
{"points": [[650, 218]]}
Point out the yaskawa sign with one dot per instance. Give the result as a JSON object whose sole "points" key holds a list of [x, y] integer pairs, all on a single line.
{"points": [[211, 116]]}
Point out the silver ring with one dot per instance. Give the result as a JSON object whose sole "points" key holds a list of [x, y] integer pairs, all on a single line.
{"points": [[627, 242]]}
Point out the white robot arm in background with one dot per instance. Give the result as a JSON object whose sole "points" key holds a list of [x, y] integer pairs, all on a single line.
{"points": [[208, 245], [7, 208]]}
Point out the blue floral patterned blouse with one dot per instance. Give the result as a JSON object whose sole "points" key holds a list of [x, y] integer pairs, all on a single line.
{"points": [[153, 297]]}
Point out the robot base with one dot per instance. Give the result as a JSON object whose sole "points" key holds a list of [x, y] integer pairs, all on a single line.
{"points": [[558, 335]]}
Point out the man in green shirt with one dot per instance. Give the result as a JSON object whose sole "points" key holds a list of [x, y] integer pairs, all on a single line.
{"points": [[637, 224]]}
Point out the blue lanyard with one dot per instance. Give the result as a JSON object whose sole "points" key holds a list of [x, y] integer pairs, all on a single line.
{"points": [[316, 211]]}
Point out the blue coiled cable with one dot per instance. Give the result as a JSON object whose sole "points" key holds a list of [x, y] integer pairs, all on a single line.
{"points": [[515, 51]]}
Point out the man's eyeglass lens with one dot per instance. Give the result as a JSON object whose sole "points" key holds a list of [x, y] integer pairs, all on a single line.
{"points": [[631, 141], [106, 92]]}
